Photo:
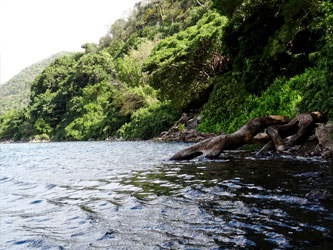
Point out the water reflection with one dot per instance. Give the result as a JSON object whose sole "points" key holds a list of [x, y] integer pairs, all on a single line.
{"points": [[242, 203], [127, 195]]}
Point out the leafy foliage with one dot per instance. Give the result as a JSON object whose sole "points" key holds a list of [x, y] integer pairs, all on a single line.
{"points": [[149, 122], [15, 125], [129, 67], [91, 111], [72, 96], [14, 94], [316, 82], [233, 60], [281, 53], [177, 63], [279, 47]]}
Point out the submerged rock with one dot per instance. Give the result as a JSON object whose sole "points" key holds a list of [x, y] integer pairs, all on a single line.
{"points": [[318, 195]]}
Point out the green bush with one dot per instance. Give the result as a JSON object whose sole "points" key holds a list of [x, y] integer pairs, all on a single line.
{"points": [[316, 83], [147, 123], [15, 125], [177, 63], [87, 117], [317, 91], [226, 102], [42, 137], [42, 127], [129, 67]]}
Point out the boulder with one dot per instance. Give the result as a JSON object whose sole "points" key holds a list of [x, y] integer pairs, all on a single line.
{"points": [[324, 134]]}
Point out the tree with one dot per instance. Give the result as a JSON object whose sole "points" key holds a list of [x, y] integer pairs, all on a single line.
{"points": [[177, 64]]}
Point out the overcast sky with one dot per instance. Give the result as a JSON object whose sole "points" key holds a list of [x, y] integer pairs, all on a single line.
{"points": [[31, 30]]}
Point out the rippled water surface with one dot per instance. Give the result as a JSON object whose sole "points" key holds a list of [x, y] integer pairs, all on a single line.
{"points": [[127, 195]]}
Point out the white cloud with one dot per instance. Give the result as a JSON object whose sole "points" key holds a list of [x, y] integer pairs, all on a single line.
{"points": [[33, 30]]}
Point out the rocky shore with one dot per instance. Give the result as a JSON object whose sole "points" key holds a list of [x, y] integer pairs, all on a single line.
{"points": [[25, 141], [319, 144], [185, 131]]}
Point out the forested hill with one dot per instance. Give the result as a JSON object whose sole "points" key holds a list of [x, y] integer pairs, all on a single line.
{"points": [[15, 93], [227, 60]]}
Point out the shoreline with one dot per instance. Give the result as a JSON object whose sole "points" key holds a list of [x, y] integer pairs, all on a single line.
{"points": [[24, 141], [319, 144]]}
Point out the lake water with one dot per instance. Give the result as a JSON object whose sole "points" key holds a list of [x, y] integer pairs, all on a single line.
{"points": [[127, 195]]}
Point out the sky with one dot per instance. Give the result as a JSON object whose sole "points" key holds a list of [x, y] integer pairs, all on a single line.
{"points": [[32, 30]]}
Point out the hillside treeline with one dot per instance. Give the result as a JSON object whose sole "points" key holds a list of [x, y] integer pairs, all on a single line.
{"points": [[15, 93], [227, 60]]}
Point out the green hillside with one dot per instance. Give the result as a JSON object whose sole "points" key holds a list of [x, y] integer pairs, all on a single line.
{"points": [[228, 60], [15, 93]]}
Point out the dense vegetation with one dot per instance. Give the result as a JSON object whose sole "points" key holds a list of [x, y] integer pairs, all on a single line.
{"points": [[281, 55], [15, 93], [229, 60]]}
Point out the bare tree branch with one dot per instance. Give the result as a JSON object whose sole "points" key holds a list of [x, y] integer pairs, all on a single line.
{"points": [[278, 128], [200, 3]]}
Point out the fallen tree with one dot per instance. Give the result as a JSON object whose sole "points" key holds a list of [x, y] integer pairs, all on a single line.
{"points": [[280, 130], [294, 132]]}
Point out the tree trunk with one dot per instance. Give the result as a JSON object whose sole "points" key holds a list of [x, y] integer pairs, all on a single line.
{"points": [[294, 132]]}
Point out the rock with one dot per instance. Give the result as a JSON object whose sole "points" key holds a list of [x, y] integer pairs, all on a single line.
{"points": [[324, 133], [320, 144], [184, 119], [193, 123], [306, 149], [327, 154], [184, 130], [112, 138], [185, 135], [318, 195], [115, 138], [36, 140], [4, 141]]}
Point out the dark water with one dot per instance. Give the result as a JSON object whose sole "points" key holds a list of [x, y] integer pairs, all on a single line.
{"points": [[126, 195]]}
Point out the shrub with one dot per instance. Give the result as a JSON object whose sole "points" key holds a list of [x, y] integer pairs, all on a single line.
{"points": [[177, 63], [147, 123], [15, 125], [42, 137]]}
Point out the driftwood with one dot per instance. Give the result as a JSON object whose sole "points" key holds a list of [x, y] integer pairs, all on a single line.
{"points": [[212, 148], [278, 128], [294, 132]]}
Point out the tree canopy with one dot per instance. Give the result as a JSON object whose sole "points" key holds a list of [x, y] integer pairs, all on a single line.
{"points": [[14, 94]]}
